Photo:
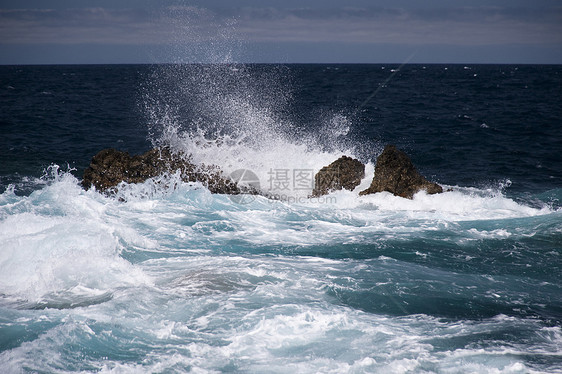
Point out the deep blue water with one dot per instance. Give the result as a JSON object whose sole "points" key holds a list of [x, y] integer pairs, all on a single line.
{"points": [[165, 277]]}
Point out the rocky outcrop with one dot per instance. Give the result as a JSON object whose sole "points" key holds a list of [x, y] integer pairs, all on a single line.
{"points": [[395, 173], [345, 172], [110, 167]]}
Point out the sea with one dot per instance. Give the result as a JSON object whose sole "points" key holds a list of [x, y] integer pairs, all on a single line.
{"points": [[165, 277]]}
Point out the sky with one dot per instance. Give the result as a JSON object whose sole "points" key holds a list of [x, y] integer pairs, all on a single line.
{"points": [[288, 31]]}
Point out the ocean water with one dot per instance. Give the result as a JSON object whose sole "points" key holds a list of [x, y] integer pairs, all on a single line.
{"points": [[166, 277]]}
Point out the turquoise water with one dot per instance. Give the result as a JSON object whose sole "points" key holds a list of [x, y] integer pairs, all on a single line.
{"points": [[166, 277]]}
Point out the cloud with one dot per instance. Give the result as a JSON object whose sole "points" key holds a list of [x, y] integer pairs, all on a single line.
{"points": [[484, 25], [426, 26], [68, 26]]}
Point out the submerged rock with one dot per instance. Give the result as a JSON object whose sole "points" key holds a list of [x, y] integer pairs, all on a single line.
{"points": [[395, 173], [110, 167], [345, 172]]}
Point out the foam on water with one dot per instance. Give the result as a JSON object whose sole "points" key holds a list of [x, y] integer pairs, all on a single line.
{"points": [[167, 277], [141, 282], [59, 245], [282, 323], [50, 237]]}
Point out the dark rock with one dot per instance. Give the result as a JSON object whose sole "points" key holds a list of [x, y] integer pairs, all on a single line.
{"points": [[110, 167], [345, 172], [395, 173]]}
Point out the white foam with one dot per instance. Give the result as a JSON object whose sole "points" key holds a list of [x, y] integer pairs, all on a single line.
{"points": [[240, 122], [457, 205], [275, 162], [62, 239], [62, 243]]}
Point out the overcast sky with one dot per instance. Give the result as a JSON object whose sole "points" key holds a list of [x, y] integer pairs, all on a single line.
{"points": [[352, 31]]}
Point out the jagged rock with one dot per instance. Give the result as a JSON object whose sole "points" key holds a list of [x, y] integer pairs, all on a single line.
{"points": [[110, 167], [395, 173], [345, 172]]}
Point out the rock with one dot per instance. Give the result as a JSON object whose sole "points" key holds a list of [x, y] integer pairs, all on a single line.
{"points": [[110, 167], [345, 172], [395, 173]]}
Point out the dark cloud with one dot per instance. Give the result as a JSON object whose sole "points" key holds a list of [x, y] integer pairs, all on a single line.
{"points": [[465, 25], [402, 22], [484, 25], [96, 25]]}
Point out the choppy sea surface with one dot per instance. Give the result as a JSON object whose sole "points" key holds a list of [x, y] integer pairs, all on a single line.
{"points": [[167, 277]]}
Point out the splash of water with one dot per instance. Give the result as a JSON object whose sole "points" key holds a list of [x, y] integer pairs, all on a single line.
{"points": [[240, 116]]}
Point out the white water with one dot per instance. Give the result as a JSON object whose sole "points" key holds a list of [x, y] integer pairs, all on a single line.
{"points": [[166, 277], [62, 239], [234, 120], [166, 281]]}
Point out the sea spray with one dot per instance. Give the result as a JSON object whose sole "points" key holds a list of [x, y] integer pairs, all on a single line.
{"points": [[180, 279], [240, 119], [167, 277], [59, 247], [240, 116]]}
